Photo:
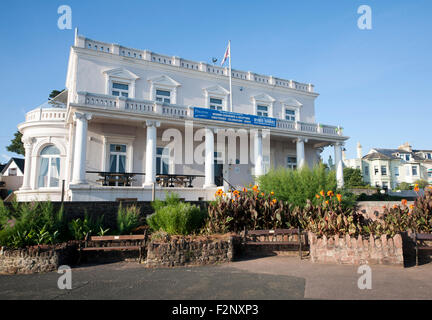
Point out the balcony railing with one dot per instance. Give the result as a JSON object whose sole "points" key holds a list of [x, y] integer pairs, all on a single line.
{"points": [[184, 112], [146, 55]]}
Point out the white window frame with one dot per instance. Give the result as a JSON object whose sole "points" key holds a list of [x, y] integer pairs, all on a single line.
{"points": [[261, 112], [164, 83], [291, 165], [416, 169], [165, 157], [290, 109], [216, 92], [122, 76], [121, 91], [264, 100], [117, 139], [49, 157], [217, 106], [163, 98]]}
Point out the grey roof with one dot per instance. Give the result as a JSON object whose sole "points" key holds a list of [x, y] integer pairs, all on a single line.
{"points": [[389, 154]]}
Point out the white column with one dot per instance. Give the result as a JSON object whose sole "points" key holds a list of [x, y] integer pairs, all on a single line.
{"points": [[258, 150], [339, 164], [150, 162], [79, 162], [209, 159], [28, 145], [300, 152]]}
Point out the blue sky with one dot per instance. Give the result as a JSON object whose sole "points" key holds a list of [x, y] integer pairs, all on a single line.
{"points": [[375, 83]]}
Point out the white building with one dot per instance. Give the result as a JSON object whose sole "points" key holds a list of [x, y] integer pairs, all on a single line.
{"points": [[131, 111], [387, 168], [11, 175]]}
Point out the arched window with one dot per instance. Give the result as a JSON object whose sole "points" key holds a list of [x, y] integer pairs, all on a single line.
{"points": [[49, 167]]}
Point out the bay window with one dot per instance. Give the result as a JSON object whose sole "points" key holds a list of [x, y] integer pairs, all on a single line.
{"points": [[49, 167]]}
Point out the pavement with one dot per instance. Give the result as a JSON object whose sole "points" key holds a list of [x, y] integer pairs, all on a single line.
{"points": [[269, 278]]}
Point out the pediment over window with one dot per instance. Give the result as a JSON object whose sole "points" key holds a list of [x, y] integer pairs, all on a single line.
{"points": [[164, 81], [121, 73], [264, 97], [217, 90], [292, 103]]}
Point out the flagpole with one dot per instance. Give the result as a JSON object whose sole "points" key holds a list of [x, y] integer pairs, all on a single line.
{"points": [[230, 77]]}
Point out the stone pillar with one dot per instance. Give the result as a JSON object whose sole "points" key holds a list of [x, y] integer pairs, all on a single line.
{"points": [[150, 167], [209, 181], [28, 145], [79, 162], [300, 152], [339, 164], [258, 151]]}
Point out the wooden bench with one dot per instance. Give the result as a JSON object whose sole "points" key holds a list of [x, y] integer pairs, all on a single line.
{"points": [[115, 243], [270, 233], [419, 245]]}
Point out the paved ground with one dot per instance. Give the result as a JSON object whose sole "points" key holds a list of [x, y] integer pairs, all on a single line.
{"points": [[265, 278]]}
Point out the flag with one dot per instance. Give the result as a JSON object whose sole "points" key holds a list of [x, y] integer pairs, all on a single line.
{"points": [[227, 53]]}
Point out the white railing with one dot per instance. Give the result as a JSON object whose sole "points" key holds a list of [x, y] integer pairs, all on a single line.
{"points": [[181, 112], [46, 114], [188, 64]]}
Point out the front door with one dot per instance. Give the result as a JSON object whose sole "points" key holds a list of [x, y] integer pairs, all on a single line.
{"points": [[117, 162]]}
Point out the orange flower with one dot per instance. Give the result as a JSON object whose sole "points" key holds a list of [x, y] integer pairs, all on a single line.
{"points": [[330, 193], [411, 206], [317, 196], [274, 200], [322, 193], [219, 192], [404, 202], [339, 197], [272, 193], [236, 193], [232, 200], [416, 189], [244, 190], [255, 188], [262, 193], [395, 206], [327, 202]]}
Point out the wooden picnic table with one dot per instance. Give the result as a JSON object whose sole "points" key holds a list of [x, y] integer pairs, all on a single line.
{"points": [[172, 180], [124, 178]]}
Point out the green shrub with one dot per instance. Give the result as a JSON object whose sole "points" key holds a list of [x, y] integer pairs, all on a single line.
{"points": [[32, 224], [421, 183], [404, 186], [127, 219], [297, 186], [176, 217]]}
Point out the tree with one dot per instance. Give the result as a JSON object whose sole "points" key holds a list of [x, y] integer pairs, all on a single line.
{"points": [[16, 144], [54, 93], [403, 186], [353, 178]]}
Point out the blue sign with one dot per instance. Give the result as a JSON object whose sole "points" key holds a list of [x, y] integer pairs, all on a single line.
{"points": [[241, 118]]}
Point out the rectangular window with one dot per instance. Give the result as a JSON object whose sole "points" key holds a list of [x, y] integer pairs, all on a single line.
{"points": [[429, 156], [385, 185], [162, 160], [396, 171], [376, 170], [13, 171], [262, 111], [407, 157], [120, 89], [290, 115], [216, 104], [430, 174], [163, 96], [383, 170], [414, 170], [291, 162], [366, 170]]}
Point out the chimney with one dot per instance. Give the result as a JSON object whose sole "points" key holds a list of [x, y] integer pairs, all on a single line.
{"points": [[359, 150], [405, 147]]}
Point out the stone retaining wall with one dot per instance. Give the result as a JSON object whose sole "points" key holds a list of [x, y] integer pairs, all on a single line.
{"points": [[347, 250], [274, 249], [181, 252], [34, 260]]}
